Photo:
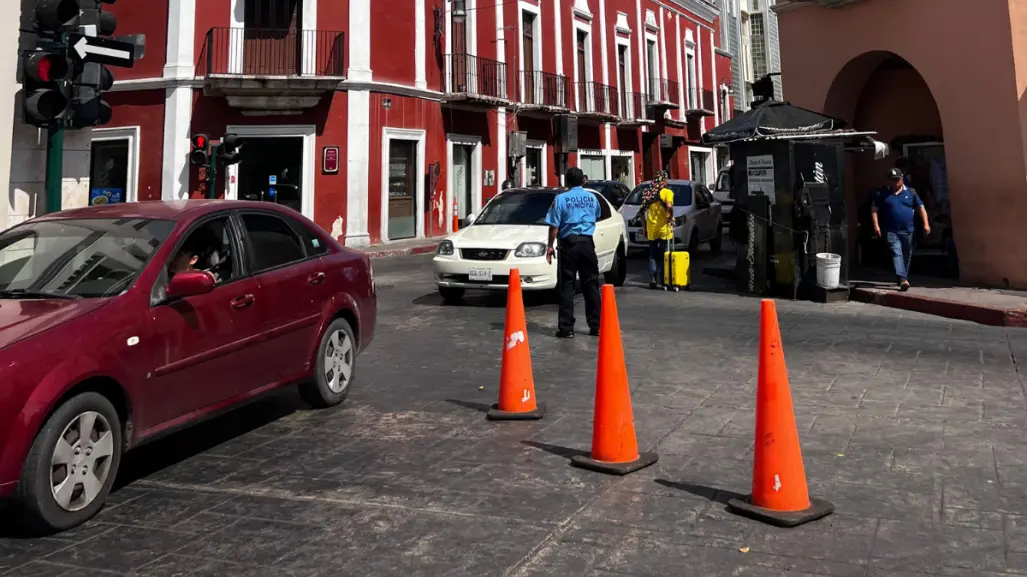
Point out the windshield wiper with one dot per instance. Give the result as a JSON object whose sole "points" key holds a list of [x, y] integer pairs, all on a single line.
{"points": [[24, 294]]}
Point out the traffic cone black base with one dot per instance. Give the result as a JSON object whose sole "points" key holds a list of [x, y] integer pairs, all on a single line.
{"points": [[817, 509], [494, 414], [621, 469]]}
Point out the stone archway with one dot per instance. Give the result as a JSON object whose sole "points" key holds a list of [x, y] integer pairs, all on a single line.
{"points": [[882, 91]]}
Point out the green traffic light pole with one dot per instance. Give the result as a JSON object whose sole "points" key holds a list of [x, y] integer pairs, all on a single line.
{"points": [[212, 172], [54, 167]]}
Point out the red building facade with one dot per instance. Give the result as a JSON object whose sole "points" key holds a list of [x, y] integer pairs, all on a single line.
{"points": [[384, 120]]}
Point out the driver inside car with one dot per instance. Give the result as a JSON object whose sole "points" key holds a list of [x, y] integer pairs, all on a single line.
{"points": [[201, 246]]}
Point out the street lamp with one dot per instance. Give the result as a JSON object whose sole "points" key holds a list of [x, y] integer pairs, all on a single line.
{"points": [[459, 11]]}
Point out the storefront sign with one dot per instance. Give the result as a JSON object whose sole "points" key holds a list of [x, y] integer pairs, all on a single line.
{"points": [[101, 196], [330, 160], [761, 176]]}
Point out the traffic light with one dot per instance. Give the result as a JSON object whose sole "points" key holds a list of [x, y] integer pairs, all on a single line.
{"points": [[45, 66], [228, 150], [92, 78], [200, 154]]}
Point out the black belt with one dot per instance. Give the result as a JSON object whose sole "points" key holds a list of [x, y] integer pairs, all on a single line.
{"points": [[573, 239]]}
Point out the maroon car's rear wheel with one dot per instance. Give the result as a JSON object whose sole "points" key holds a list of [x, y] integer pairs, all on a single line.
{"points": [[335, 367], [72, 464]]}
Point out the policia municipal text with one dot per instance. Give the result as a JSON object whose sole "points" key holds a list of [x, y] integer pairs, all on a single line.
{"points": [[572, 222]]}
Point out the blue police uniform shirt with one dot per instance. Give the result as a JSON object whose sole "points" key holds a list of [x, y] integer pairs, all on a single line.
{"points": [[574, 212], [896, 211]]}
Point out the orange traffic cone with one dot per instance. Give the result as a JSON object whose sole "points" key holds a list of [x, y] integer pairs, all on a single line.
{"points": [[516, 385], [614, 446], [779, 493]]}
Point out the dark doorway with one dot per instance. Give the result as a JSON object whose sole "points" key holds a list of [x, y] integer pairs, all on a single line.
{"points": [[402, 215], [271, 170]]}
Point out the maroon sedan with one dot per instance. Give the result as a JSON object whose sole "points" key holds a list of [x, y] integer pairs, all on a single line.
{"points": [[121, 323]]}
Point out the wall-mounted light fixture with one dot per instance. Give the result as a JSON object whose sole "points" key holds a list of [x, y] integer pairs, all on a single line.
{"points": [[459, 10]]}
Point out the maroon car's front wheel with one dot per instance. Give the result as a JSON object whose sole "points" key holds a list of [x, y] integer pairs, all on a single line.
{"points": [[72, 464]]}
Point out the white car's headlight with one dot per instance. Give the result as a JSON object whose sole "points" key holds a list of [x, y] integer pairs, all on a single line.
{"points": [[530, 249], [445, 248]]}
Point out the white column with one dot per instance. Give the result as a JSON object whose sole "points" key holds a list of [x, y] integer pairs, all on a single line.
{"points": [[310, 37], [602, 41], [359, 41], [641, 48], [420, 64], [558, 24], [716, 85], [10, 13], [682, 82], [358, 136], [501, 160], [178, 103], [698, 74], [236, 43]]}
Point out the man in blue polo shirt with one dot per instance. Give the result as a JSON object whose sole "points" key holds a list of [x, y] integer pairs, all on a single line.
{"points": [[894, 209], [572, 222]]}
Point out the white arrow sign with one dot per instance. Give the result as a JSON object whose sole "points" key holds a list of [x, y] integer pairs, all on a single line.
{"points": [[104, 50]]}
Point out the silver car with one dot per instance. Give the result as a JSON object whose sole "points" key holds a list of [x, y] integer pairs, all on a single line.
{"points": [[697, 217]]}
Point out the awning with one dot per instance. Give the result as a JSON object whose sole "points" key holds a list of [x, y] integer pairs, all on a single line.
{"points": [[771, 119]]}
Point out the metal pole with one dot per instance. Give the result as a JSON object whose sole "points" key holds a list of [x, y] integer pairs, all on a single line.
{"points": [[212, 173], [54, 168]]}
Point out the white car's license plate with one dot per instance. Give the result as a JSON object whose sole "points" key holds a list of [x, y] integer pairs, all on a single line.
{"points": [[479, 274]]}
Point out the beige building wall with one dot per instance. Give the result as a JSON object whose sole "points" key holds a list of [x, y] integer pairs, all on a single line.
{"points": [[23, 147], [973, 59]]}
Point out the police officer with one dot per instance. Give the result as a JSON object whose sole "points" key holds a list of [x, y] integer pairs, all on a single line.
{"points": [[572, 222]]}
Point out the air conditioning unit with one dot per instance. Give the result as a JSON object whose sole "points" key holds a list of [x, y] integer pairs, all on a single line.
{"points": [[517, 144]]}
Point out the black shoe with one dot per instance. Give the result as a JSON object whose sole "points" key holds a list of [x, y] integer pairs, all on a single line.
{"points": [[652, 285], [593, 332], [565, 334]]}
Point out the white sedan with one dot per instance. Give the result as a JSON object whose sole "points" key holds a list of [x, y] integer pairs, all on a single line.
{"points": [[511, 233], [697, 216]]}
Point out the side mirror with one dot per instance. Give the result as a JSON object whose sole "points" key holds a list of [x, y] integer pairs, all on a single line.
{"points": [[187, 284], [468, 219]]}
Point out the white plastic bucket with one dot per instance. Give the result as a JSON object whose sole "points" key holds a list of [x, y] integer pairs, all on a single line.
{"points": [[829, 265]]}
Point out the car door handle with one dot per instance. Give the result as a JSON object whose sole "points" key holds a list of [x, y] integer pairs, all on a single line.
{"points": [[316, 278], [242, 302]]}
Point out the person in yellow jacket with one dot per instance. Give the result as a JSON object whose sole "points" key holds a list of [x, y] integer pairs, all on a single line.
{"points": [[659, 225]]}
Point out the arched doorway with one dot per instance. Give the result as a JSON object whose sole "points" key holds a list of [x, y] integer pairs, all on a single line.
{"points": [[882, 91]]}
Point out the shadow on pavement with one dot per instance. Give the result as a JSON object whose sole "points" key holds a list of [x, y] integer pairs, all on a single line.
{"points": [[557, 450], [480, 407], [176, 447], [710, 493]]}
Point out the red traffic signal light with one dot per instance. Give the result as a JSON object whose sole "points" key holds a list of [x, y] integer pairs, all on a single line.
{"points": [[200, 154], [46, 66]]}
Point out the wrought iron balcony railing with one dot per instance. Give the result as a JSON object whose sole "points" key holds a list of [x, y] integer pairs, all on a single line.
{"points": [[476, 77], [634, 106], [595, 98], [664, 93], [545, 89], [701, 103], [274, 52]]}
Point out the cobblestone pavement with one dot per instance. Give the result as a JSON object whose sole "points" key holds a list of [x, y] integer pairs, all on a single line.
{"points": [[913, 426]]}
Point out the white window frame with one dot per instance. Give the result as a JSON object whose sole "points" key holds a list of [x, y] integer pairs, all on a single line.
{"points": [[470, 28], [536, 26], [631, 164], [655, 66], [711, 166], [624, 90], [691, 73], [536, 145], [419, 136], [236, 36], [587, 29], [596, 153], [476, 183], [131, 134], [308, 132]]}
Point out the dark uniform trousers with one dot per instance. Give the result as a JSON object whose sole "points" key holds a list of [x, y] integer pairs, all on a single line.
{"points": [[577, 257]]}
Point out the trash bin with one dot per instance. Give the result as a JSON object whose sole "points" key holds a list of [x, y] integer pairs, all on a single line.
{"points": [[829, 266]]}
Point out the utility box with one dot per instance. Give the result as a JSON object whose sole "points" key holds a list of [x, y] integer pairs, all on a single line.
{"points": [[792, 197]]}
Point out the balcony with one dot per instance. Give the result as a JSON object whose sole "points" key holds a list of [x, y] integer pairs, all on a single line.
{"points": [[544, 91], [664, 94], [634, 109], [475, 81], [272, 71], [705, 106], [596, 102]]}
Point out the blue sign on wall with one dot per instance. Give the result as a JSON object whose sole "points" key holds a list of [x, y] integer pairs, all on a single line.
{"points": [[101, 196]]}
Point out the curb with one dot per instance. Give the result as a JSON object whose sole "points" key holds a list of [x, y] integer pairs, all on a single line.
{"points": [[991, 316], [387, 252]]}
